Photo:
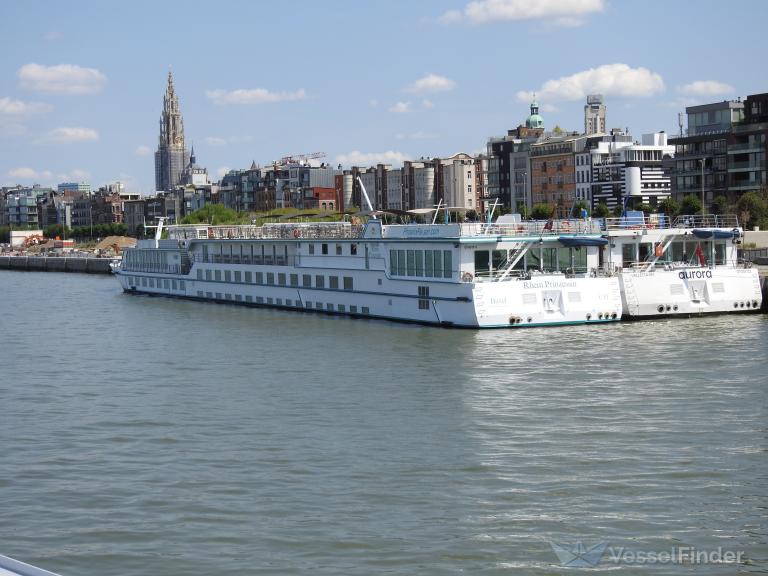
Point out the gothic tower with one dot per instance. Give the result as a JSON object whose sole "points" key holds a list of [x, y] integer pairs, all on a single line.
{"points": [[171, 157]]}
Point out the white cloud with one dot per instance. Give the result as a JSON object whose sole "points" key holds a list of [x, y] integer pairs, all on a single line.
{"points": [[69, 134], [143, 150], [12, 107], [63, 78], [222, 171], [427, 104], [46, 176], [215, 141], [420, 135], [373, 103], [357, 158], [561, 12], [401, 108], [431, 83], [609, 79], [253, 96], [75, 175], [26, 173], [706, 88]]}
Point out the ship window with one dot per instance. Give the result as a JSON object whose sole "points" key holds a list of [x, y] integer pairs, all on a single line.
{"points": [[628, 253], [311, 248], [218, 275], [248, 277], [174, 286], [238, 276], [348, 283], [341, 308], [482, 260], [270, 301], [144, 281], [228, 296], [209, 294], [199, 293], [307, 304], [319, 281], [270, 277], [218, 295], [719, 253], [182, 285], [324, 248], [353, 309], [366, 310], [550, 259], [333, 282], [318, 305], [438, 262], [428, 268], [238, 298], [338, 249], [294, 279], [249, 299], [208, 275], [419, 262], [259, 278], [401, 262], [281, 279], [411, 261], [167, 284], [329, 307], [393, 262], [447, 263], [353, 249], [199, 273], [307, 280], [259, 300], [227, 276], [279, 301]]}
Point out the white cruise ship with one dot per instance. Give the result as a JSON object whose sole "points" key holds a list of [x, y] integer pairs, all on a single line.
{"points": [[684, 267], [475, 275]]}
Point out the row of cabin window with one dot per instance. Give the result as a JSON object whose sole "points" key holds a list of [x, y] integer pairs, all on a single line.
{"points": [[339, 249], [279, 302], [421, 263], [162, 283], [283, 279]]}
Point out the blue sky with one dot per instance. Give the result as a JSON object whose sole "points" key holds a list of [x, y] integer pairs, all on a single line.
{"points": [[82, 82]]}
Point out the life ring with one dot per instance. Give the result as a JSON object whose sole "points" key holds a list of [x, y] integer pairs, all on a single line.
{"points": [[659, 250], [296, 233], [467, 277]]}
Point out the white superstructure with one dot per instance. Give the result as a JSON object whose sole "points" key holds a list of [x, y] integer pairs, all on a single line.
{"points": [[685, 267], [464, 275]]}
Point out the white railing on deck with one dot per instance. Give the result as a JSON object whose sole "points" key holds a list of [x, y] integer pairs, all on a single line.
{"points": [[533, 228]]}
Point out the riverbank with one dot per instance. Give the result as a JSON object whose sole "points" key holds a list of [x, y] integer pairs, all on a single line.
{"points": [[56, 264]]}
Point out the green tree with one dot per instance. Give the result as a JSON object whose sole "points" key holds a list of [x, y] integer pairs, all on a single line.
{"points": [[645, 209], [541, 211], [618, 210], [752, 208], [719, 205], [214, 214], [690, 205], [522, 209], [471, 215], [5, 234], [578, 207], [601, 210], [668, 206]]}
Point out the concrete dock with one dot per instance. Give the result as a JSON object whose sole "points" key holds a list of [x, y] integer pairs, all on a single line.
{"points": [[55, 264]]}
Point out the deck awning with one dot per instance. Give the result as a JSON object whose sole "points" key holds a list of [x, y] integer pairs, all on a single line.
{"points": [[708, 233], [577, 241]]}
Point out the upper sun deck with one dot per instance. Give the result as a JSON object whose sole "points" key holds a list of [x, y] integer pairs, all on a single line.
{"points": [[375, 229]]}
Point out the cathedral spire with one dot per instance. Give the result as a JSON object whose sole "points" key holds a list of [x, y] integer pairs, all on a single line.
{"points": [[171, 157]]}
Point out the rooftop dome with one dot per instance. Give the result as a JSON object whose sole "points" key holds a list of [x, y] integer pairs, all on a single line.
{"points": [[534, 120]]}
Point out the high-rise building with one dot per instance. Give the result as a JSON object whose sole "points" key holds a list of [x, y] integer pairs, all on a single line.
{"points": [[594, 115], [171, 157]]}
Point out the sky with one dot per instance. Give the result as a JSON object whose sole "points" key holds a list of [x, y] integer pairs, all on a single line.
{"points": [[82, 82]]}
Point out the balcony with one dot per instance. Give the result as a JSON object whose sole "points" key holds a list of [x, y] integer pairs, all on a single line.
{"points": [[746, 166], [746, 147]]}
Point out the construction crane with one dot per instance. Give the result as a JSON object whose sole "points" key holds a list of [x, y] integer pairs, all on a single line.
{"points": [[295, 159]]}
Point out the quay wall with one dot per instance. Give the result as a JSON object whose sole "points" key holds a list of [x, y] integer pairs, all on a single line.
{"points": [[55, 264]]}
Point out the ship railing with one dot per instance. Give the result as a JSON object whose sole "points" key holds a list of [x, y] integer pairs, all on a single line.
{"points": [[288, 231], [497, 275], [706, 221], [244, 259], [533, 228]]}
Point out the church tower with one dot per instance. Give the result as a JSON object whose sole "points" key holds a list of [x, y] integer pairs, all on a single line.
{"points": [[171, 157]]}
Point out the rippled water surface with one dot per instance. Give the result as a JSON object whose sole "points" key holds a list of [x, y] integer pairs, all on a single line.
{"points": [[143, 436]]}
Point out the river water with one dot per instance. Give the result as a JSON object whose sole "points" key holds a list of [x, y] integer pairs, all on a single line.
{"points": [[144, 436]]}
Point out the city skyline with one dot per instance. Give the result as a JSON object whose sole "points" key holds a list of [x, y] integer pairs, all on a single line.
{"points": [[80, 97]]}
